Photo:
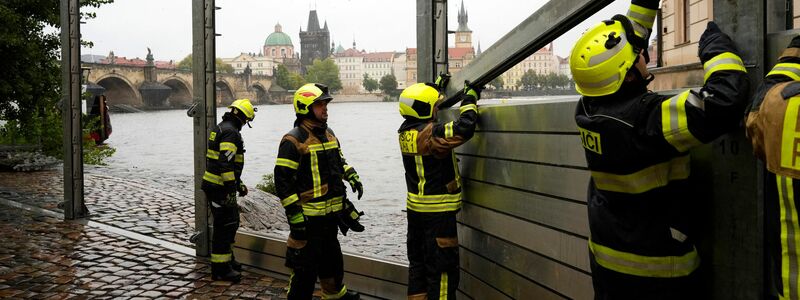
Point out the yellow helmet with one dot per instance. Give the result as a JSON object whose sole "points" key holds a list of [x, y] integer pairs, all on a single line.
{"points": [[602, 57], [308, 94], [418, 101], [245, 107]]}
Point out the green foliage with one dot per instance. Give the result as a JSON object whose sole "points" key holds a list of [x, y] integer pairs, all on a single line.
{"points": [[96, 154], [369, 83], [497, 83], [267, 184], [531, 81], [389, 85], [325, 72], [187, 62], [287, 79]]}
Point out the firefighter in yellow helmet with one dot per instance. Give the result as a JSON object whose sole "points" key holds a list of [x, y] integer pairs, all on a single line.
{"points": [[636, 144], [434, 187], [774, 129], [221, 183], [309, 179]]}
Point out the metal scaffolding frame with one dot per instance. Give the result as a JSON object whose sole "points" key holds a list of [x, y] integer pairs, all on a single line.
{"points": [[74, 207]]}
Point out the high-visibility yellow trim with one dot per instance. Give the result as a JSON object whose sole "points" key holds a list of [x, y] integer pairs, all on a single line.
{"points": [[644, 180], [645, 266], [724, 61], [642, 15], [790, 70], [284, 162], [289, 286], [433, 203], [213, 178], [289, 200], [228, 176], [315, 175], [239, 158], [675, 124], [212, 154], [347, 168], [468, 107], [227, 146], [443, 287], [338, 295], [212, 136], [324, 146], [790, 238], [448, 129], [455, 169], [790, 140], [420, 174], [296, 218], [322, 208], [220, 258]]}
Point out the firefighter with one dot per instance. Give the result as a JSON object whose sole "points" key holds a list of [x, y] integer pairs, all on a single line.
{"points": [[774, 129], [636, 144], [221, 183], [309, 175], [434, 187]]}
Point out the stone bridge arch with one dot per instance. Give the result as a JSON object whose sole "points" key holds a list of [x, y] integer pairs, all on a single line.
{"points": [[181, 94], [225, 93], [119, 90], [262, 96]]}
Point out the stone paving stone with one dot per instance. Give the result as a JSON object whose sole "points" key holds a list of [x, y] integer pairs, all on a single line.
{"points": [[54, 259]]}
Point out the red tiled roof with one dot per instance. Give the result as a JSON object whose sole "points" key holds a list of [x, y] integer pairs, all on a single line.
{"points": [[378, 56], [451, 52], [351, 52]]}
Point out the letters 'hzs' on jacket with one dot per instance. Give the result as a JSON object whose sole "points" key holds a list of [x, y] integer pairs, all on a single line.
{"points": [[636, 148], [432, 178], [310, 169], [224, 159]]}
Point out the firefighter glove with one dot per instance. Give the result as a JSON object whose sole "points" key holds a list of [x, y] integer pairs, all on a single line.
{"points": [[472, 91], [442, 81], [355, 182], [714, 42], [230, 200], [242, 190], [297, 226]]}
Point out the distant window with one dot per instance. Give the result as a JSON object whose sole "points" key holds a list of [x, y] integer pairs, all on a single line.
{"points": [[682, 21], [273, 52], [283, 52]]}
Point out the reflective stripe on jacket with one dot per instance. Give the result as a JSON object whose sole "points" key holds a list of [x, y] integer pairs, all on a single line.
{"points": [[224, 158]]}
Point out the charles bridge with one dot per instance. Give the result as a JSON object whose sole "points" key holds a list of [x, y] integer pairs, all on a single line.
{"points": [[151, 87]]}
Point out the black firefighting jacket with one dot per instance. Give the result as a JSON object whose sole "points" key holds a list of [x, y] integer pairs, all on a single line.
{"points": [[636, 145], [431, 169], [224, 157], [309, 171]]}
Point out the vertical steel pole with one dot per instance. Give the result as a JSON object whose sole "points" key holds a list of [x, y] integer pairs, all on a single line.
{"points": [[71, 109], [204, 112], [732, 243], [431, 39]]}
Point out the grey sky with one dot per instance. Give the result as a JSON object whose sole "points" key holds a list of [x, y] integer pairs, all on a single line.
{"points": [[128, 27]]}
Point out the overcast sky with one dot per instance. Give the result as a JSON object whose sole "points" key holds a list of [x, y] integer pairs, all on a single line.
{"points": [[128, 27]]}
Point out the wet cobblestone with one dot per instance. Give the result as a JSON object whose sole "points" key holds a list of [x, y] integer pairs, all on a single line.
{"points": [[162, 206], [47, 258]]}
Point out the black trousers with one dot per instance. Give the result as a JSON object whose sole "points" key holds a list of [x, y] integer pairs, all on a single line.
{"points": [[433, 254], [321, 256], [226, 223], [612, 285]]}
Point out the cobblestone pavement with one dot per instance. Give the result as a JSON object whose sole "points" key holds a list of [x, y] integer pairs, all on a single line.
{"points": [[47, 258], [162, 206]]}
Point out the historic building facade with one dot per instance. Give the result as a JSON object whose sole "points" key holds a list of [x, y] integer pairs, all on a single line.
{"points": [[315, 41], [543, 62], [459, 56]]}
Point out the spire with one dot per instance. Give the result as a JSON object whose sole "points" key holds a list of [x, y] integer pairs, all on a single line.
{"points": [[479, 48], [313, 21], [462, 19], [326, 26], [278, 27]]}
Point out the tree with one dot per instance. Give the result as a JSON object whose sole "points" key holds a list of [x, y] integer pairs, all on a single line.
{"points": [[282, 77], [497, 82], [325, 72], [295, 81], [30, 85], [389, 85], [369, 83], [529, 81], [186, 64]]}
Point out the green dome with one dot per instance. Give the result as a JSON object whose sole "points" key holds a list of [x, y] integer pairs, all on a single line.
{"points": [[278, 39]]}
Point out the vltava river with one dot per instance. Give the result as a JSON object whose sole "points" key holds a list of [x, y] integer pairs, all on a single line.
{"points": [[162, 141]]}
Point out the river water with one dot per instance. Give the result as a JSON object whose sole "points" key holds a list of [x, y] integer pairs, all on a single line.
{"points": [[162, 141]]}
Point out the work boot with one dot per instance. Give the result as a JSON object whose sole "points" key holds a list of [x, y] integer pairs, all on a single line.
{"points": [[351, 295], [224, 272], [235, 265]]}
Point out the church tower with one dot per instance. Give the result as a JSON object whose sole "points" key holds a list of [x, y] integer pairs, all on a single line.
{"points": [[463, 34]]}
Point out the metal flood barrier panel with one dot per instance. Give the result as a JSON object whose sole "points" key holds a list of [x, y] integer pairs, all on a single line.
{"points": [[524, 228]]}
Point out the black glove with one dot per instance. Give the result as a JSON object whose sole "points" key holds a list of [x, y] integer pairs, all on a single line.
{"points": [[242, 190], [297, 225], [714, 42], [442, 81], [230, 200], [471, 91], [355, 182]]}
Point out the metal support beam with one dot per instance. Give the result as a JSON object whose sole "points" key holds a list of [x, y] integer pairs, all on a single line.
{"points": [[71, 109], [543, 26], [431, 39], [731, 219], [203, 111]]}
